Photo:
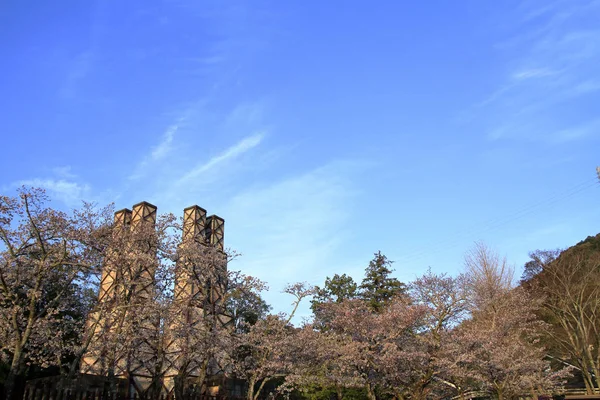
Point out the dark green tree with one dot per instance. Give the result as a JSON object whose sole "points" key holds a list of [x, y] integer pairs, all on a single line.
{"points": [[336, 289], [246, 308], [378, 287], [539, 260]]}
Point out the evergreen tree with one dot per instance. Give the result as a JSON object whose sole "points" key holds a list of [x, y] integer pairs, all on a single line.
{"points": [[335, 290], [246, 308], [377, 288]]}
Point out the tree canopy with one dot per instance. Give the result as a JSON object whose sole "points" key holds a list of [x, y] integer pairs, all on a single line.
{"points": [[378, 286], [434, 337]]}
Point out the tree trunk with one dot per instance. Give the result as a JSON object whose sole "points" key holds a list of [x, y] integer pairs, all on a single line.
{"points": [[533, 393], [111, 383], [419, 393], [201, 378], [11, 384], [260, 388], [370, 392], [339, 393], [179, 385], [250, 393], [596, 374]]}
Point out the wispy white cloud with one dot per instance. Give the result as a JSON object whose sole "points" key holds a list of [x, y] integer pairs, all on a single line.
{"points": [[533, 73], [531, 13], [537, 132], [77, 72], [192, 158], [246, 114], [192, 117], [588, 86], [161, 150], [228, 155], [64, 172], [553, 60], [64, 186], [587, 129], [292, 229], [165, 146], [69, 192]]}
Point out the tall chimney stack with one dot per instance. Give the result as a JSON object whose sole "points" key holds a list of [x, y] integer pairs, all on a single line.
{"points": [[194, 224], [142, 213], [215, 231], [123, 217]]}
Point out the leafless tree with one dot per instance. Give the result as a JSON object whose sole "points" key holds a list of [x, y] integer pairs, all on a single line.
{"points": [[487, 275], [571, 290], [497, 351]]}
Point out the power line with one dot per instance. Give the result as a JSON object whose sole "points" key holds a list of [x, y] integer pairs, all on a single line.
{"points": [[497, 222]]}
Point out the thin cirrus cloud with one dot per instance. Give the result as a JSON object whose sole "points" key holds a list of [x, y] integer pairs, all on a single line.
{"points": [[582, 131], [554, 66], [158, 152], [165, 146], [228, 155], [288, 230], [178, 135], [533, 73]]}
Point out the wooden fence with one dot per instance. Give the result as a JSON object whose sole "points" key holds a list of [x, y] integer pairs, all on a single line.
{"points": [[34, 393]]}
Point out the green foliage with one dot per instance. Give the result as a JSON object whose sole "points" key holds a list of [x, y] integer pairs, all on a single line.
{"points": [[336, 289], [539, 259], [246, 308], [377, 288], [590, 244]]}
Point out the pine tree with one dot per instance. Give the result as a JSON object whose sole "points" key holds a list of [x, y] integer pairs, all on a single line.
{"points": [[377, 288]]}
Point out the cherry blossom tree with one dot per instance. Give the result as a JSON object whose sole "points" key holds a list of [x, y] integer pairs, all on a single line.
{"points": [[393, 349], [445, 302], [261, 352], [379, 348], [47, 256], [497, 352], [323, 360]]}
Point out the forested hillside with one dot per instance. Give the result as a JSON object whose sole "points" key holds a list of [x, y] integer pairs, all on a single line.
{"points": [[568, 283]]}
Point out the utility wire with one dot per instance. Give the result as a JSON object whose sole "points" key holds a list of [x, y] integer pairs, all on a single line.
{"points": [[495, 223]]}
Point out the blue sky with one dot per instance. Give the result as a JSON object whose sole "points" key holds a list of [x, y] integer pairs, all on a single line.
{"points": [[321, 131]]}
